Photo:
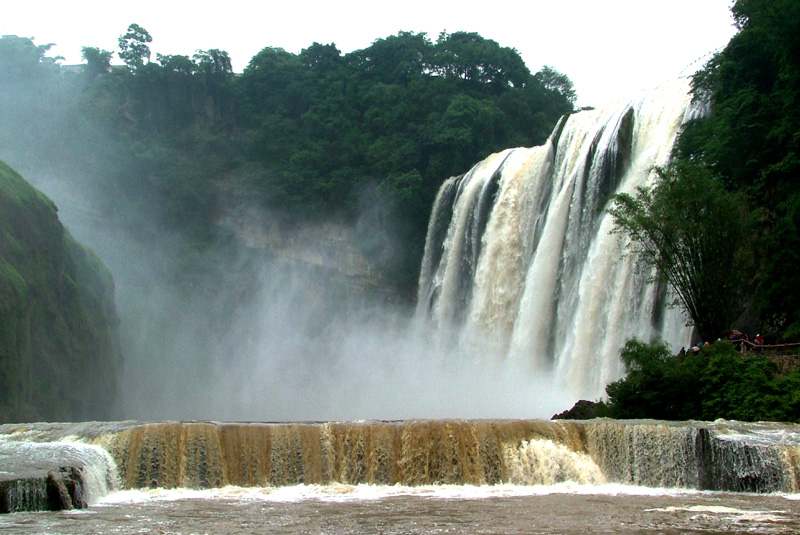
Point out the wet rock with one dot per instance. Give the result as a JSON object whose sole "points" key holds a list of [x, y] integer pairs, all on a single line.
{"points": [[41, 489]]}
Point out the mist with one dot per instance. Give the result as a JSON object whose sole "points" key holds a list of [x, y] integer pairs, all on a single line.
{"points": [[253, 335], [288, 354], [278, 339]]}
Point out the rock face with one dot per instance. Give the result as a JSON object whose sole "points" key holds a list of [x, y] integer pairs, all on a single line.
{"points": [[356, 254], [59, 355], [40, 489], [43, 469], [328, 244]]}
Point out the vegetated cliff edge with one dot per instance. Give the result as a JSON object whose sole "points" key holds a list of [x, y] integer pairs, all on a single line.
{"points": [[59, 354]]}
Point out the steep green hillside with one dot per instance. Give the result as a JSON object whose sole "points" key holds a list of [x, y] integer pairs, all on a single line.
{"points": [[58, 353]]}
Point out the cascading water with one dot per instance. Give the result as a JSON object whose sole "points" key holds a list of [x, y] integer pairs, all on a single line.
{"points": [[54, 475], [415, 476], [732, 456], [520, 262]]}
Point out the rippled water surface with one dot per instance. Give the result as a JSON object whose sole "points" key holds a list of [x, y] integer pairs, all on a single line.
{"points": [[357, 510]]}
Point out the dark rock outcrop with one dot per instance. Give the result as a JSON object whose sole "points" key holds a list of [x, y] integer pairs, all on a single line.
{"points": [[41, 488], [583, 410]]}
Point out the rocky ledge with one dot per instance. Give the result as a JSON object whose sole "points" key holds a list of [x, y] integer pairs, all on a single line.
{"points": [[43, 469], [37, 486]]}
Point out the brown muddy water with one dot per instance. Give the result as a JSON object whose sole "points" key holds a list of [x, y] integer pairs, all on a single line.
{"points": [[341, 509]]}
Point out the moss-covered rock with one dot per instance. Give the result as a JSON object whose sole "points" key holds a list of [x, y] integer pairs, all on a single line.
{"points": [[59, 356], [583, 410]]}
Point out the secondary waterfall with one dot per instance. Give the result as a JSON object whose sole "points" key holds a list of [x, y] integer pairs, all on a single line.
{"points": [[520, 263], [731, 456]]}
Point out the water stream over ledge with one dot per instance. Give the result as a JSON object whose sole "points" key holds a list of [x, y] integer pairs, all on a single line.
{"points": [[724, 456]]}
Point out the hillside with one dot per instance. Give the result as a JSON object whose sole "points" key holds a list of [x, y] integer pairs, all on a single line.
{"points": [[58, 353]]}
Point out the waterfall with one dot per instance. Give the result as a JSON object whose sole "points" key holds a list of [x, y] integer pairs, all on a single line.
{"points": [[728, 456], [40, 476], [520, 262]]}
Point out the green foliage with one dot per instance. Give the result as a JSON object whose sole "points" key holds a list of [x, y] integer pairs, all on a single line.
{"points": [[323, 127], [716, 382], [32, 95], [550, 78], [474, 59], [133, 47], [751, 139], [58, 354], [20, 59], [645, 392], [97, 61], [697, 235]]}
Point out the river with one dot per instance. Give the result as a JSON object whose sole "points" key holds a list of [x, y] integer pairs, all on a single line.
{"points": [[502, 509]]}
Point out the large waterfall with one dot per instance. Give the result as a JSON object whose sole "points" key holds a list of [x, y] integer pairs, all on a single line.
{"points": [[520, 263]]}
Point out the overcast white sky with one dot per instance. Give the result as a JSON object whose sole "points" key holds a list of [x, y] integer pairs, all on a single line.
{"points": [[608, 48]]}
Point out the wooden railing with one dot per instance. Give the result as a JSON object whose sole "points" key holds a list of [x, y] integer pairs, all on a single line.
{"points": [[786, 356], [769, 350]]}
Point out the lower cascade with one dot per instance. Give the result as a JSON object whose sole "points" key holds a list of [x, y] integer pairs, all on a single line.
{"points": [[520, 263], [728, 456]]}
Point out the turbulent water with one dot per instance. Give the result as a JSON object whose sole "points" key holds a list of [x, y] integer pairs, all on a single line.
{"points": [[454, 476], [520, 262], [726, 456], [396, 511]]}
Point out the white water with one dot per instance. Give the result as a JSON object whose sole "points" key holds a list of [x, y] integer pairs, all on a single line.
{"points": [[97, 469], [360, 510], [546, 284]]}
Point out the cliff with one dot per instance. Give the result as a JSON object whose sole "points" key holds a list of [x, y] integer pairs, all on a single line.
{"points": [[59, 356], [355, 256]]}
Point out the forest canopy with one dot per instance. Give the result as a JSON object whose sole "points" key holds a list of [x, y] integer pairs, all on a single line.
{"points": [[307, 135]]}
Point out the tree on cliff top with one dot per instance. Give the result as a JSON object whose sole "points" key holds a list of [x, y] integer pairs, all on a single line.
{"points": [[133, 47], [697, 236]]}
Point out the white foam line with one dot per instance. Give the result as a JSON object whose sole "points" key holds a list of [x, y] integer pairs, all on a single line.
{"points": [[731, 512], [340, 492]]}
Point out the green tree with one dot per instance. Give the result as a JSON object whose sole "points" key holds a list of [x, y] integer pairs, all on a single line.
{"points": [[751, 138], [715, 382], [34, 100], [656, 385], [551, 79], [271, 86], [214, 63], [215, 67], [133, 47], [396, 59], [97, 61], [321, 58], [22, 60], [698, 237], [473, 58], [177, 64]]}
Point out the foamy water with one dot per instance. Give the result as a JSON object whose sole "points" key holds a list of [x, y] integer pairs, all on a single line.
{"points": [[567, 508], [339, 492]]}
